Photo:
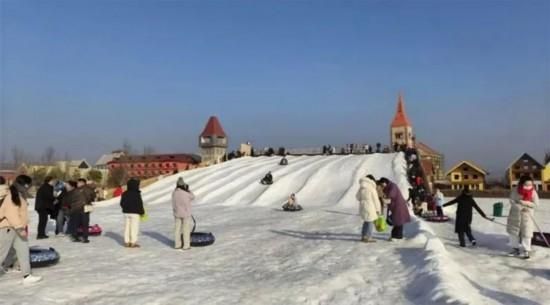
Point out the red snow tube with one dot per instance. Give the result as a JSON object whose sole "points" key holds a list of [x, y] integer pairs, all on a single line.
{"points": [[94, 230], [437, 218], [539, 240]]}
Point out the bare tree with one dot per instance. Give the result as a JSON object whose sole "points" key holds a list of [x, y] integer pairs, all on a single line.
{"points": [[127, 147], [149, 150], [18, 156], [49, 155]]}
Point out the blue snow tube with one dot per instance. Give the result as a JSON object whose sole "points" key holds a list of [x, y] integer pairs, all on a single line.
{"points": [[43, 257], [288, 208], [201, 239]]}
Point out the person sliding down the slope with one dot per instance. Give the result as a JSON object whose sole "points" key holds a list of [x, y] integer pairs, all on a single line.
{"points": [[369, 207], [524, 199], [292, 204], [181, 204], [466, 204], [284, 161], [268, 179]]}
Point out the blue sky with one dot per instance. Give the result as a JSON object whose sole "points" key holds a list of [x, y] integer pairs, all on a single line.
{"points": [[85, 75]]}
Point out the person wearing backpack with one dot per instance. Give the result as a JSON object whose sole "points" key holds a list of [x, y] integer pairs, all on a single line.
{"points": [[13, 226]]}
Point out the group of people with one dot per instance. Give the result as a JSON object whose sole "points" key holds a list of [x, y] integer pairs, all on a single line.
{"points": [[371, 197]]}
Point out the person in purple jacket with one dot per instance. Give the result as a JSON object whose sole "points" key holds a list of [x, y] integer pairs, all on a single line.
{"points": [[397, 209]]}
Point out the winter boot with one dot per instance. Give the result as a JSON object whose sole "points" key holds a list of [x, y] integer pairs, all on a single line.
{"points": [[526, 255], [474, 243], [31, 279], [514, 253]]}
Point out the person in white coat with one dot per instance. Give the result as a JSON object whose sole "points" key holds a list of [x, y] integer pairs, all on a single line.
{"points": [[369, 207], [181, 203], [439, 201], [523, 200]]}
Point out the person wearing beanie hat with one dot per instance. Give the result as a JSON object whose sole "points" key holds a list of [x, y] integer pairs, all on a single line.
{"points": [[181, 204]]}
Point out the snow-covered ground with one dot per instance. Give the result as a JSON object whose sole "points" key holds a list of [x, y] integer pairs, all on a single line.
{"points": [[265, 256]]}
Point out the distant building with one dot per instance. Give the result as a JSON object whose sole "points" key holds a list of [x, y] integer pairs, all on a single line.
{"points": [[402, 134], [103, 162], [467, 173], [401, 127], [546, 177], [213, 142], [246, 149], [72, 168], [149, 166], [525, 165], [9, 172]]}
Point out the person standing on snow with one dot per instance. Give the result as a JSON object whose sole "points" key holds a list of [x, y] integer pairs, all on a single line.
{"points": [[73, 203], [44, 205], [523, 200], [398, 210], [369, 207], [132, 207], [181, 204], [466, 204], [13, 226]]}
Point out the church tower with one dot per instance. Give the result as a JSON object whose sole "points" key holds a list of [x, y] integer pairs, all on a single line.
{"points": [[401, 127], [213, 142]]}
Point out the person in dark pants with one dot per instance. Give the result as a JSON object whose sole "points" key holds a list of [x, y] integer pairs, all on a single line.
{"points": [[44, 205], [89, 197], [397, 209], [75, 201], [466, 204]]}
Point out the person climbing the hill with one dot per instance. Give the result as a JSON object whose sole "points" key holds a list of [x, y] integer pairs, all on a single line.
{"points": [[132, 208], [398, 210], [292, 204], [268, 179], [523, 200], [439, 200], [466, 204], [182, 198], [369, 207], [13, 226]]}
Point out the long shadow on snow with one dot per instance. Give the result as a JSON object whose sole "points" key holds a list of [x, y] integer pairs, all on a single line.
{"points": [[338, 212], [535, 272], [160, 238], [115, 236], [418, 290], [499, 296], [319, 235]]}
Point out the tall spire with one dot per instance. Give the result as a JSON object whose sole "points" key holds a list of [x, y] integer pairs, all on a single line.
{"points": [[400, 118]]}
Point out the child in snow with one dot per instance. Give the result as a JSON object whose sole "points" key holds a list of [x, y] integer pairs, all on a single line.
{"points": [[369, 207], [466, 204], [132, 208], [292, 204], [524, 199], [439, 199], [181, 204], [268, 179]]}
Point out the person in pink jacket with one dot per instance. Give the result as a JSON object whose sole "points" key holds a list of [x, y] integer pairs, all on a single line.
{"points": [[181, 204]]}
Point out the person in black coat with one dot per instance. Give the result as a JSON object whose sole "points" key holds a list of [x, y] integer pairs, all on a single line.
{"points": [[466, 204], [132, 207], [44, 205]]}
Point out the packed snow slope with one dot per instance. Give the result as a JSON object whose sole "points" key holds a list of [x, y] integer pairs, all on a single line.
{"points": [[263, 255]]}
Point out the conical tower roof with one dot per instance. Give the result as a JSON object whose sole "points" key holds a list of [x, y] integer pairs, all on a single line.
{"points": [[213, 128], [401, 119]]}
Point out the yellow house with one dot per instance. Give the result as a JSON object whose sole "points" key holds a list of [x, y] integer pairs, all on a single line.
{"points": [[546, 177], [74, 167], [467, 173]]}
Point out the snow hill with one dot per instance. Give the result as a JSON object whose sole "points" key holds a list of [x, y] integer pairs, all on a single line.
{"points": [[265, 256]]}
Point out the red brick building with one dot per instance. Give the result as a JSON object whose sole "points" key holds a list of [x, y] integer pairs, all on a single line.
{"points": [[148, 166]]}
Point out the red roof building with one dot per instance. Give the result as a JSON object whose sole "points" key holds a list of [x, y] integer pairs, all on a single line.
{"points": [[213, 142], [148, 166], [401, 119], [401, 127]]}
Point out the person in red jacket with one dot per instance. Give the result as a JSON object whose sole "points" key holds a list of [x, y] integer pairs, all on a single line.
{"points": [[118, 191]]}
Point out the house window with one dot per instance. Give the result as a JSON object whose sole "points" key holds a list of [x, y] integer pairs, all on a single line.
{"points": [[475, 177], [534, 167], [399, 135], [526, 167], [525, 160], [517, 167], [466, 177], [457, 177], [517, 176], [174, 165], [465, 169]]}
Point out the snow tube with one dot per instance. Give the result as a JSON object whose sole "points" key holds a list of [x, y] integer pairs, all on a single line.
{"points": [[94, 230], [437, 218], [539, 240], [43, 257], [287, 207], [201, 239], [264, 182]]}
